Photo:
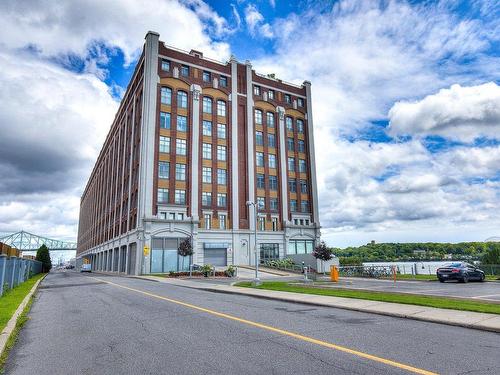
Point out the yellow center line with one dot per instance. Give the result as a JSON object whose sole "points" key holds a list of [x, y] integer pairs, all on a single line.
{"points": [[311, 340]]}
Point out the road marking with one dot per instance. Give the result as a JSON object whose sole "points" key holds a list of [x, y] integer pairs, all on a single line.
{"points": [[311, 340]]}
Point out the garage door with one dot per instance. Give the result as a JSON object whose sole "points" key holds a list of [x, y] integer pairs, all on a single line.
{"points": [[215, 257]]}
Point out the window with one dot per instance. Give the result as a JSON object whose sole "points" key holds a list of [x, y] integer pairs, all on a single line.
{"points": [[262, 223], [292, 185], [164, 144], [272, 161], [290, 144], [165, 65], [269, 251], [302, 146], [164, 120], [206, 198], [261, 203], [275, 224], [206, 76], [270, 119], [273, 183], [180, 196], [206, 175], [221, 176], [304, 206], [273, 204], [180, 172], [288, 99], [271, 140], [256, 90], [300, 102], [300, 126], [222, 221], [185, 71], [207, 151], [291, 164], [221, 131], [180, 147], [300, 246], [208, 220], [181, 123], [303, 186], [223, 81], [293, 205], [221, 153], [270, 94], [163, 215], [180, 216], [302, 165], [259, 159], [207, 105], [166, 96], [221, 108], [258, 117], [261, 183], [207, 128], [171, 215], [163, 169], [162, 195], [221, 199], [289, 124], [259, 141], [182, 99]]}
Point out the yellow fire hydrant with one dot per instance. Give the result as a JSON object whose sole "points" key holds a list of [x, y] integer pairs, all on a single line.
{"points": [[334, 273]]}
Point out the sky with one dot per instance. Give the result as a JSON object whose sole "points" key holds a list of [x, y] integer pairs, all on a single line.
{"points": [[406, 103]]}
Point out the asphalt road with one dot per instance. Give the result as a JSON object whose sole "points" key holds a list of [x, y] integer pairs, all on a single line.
{"points": [[488, 291], [82, 324]]}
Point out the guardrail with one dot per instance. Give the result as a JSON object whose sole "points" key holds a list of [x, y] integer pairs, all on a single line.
{"points": [[14, 271], [366, 271]]}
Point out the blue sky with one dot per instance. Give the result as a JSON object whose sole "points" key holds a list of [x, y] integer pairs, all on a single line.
{"points": [[406, 102]]}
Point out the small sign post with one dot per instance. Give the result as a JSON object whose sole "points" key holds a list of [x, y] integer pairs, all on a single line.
{"points": [[146, 251]]}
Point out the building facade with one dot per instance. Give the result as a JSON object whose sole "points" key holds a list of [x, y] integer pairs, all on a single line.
{"points": [[193, 142]]}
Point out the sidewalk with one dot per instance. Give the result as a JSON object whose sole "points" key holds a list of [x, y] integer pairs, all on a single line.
{"points": [[486, 322]]}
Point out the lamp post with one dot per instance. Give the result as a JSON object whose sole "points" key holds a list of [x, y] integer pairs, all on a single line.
{"points": [[256, 280]]}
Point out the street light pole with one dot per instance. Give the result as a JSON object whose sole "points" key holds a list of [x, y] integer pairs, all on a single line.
{"points": [[256, 280]]}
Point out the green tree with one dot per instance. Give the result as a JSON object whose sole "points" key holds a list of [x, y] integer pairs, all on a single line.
{"points": [[43, 255], [491, 257], [185, 249]]}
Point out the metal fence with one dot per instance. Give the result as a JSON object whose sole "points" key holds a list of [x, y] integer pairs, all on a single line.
{"points": [[14, 271], [366, 271]]}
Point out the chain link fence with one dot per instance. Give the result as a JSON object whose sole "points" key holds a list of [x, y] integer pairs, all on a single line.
{"points": [[14, 271]]}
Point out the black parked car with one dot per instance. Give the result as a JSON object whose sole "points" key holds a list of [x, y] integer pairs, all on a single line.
{"points": [[460, 271]]}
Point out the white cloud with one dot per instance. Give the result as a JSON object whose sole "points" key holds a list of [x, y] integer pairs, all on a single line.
{"points": [[255, 22], [463, 113], [73, 27]]}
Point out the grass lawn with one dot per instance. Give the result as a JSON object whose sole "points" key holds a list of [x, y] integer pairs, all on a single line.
{"points": [[11, 300], [439, 302]]}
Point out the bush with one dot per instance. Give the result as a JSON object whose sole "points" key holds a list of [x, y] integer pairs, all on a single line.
{"points": [[206, 269], [231, 271]]}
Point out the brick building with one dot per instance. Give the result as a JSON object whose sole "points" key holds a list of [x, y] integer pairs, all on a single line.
{"points": [[193, 141]]}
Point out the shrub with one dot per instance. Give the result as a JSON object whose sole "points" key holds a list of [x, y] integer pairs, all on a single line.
{"points": [[43, 255], [206, 269], [231, 271]]}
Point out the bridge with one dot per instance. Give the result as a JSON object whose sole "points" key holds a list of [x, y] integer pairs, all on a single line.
{"points": [[26, 241]]}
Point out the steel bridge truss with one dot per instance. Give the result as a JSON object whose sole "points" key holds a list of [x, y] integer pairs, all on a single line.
{"points": [[25, 241]]}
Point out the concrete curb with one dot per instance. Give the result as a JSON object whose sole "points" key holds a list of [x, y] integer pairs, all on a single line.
{"points": [[7, 331], [466, 319]]}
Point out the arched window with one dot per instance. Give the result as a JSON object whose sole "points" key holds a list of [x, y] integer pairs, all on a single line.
{"points": [[207, 105], [221, 108], [166, 95], [182, 99]]}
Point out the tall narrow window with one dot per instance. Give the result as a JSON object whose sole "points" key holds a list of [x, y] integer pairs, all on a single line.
{"points": [[261, 182], [271, 140], [289, 124], [180, 172], [270, 94], [206, 76], [181, 123], [222, 81], [208, 221], [166, 95], [273, 183], [259, 141], [221, 199], [275, 224], [303, 186], [163, 169], [207, 128], [293, 205], [185, 71], [304, 206], [288, 99], [258, 117], [292, 185], [261, 203], [291, 164], [262, 223], [300, 102], [302, 166], [221, 131], [222, 221], [270, 119], [272, 161], [182, 99], [206, 175], [164, 120], [221, 176], [290, 144], [221, 153], [259, 157], [273, 204], [300, 126], [206, 198], [165, 65], [221, 108], [207, 151], [302, 146], [207, 105], [164, 144], [256, 90], [180, 147]]}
